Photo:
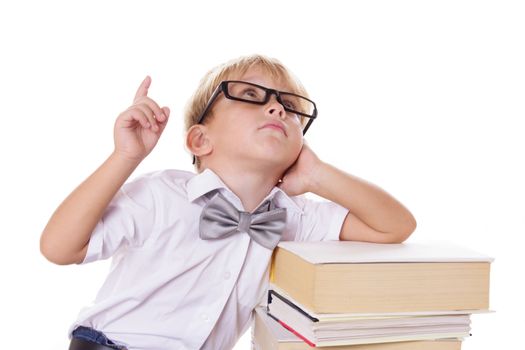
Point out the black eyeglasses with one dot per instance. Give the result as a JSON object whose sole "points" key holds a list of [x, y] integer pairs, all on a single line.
{"points": [[260, 95], [252, 93]]}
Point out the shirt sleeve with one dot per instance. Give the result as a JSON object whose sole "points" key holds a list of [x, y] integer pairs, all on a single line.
{"points": [[127, 221], [321, 220]]}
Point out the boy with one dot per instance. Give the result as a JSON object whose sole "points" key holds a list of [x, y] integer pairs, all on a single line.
{"points": [[191, 252]]}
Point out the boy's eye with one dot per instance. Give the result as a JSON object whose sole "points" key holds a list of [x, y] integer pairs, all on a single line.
{"points": [[252, 94], [288, 103]]}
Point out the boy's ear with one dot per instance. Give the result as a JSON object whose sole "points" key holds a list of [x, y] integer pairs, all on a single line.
{"points": [[197, 140]]}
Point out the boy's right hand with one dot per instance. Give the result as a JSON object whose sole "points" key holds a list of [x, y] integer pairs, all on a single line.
{"points": [[139, 127]]}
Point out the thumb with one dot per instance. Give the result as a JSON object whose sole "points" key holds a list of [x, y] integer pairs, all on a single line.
{"points": [[164, 121], [166, 111]]}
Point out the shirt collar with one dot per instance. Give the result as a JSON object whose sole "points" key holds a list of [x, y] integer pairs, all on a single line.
{"points": [[208, 181], [203, 183]]}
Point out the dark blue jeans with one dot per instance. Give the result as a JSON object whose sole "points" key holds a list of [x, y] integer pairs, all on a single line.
{"points": [[94, 336]]}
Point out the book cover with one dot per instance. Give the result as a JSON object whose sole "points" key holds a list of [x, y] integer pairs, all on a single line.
{"points": [[358, 277]]}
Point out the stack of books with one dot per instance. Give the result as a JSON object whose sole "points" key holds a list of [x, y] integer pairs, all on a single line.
{"points": [[270, 335], [366, 296]]}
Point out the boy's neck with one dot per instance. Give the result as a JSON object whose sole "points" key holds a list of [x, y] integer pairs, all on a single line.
{"points": [[250, 185]]}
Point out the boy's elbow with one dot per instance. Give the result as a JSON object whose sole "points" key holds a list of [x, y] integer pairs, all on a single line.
{"points": [[408, 229], [56, 254], [50, 253]]}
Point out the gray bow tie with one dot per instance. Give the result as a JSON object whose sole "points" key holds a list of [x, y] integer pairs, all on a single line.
{"points": [[220, 219]]}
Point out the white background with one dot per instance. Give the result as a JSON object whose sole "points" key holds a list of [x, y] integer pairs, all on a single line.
{"points": [[424, 98]]}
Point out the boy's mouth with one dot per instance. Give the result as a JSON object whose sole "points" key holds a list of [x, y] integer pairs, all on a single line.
{"points": [[275, 126]]}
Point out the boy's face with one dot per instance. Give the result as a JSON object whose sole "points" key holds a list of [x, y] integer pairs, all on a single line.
{"points": [[251, 133]]}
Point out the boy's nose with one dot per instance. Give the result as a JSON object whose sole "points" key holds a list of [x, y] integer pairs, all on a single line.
{"points": [[274, 108]]}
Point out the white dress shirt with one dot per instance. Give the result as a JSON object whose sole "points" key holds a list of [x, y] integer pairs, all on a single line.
{"points": [[167, 288]]}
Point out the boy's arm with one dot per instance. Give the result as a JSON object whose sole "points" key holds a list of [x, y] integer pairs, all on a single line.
{"points": [[137, 130], [374, 215]]}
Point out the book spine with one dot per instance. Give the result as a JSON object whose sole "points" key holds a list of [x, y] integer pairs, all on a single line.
{"points": [[272, 293], [293, 331]]}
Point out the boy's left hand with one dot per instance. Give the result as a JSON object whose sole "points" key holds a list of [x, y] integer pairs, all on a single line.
{"points": [[301, 176]]}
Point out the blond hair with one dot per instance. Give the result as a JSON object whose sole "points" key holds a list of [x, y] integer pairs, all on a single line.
{"points": [[232, 70]]}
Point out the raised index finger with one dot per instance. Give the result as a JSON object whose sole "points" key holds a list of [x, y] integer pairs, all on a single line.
{"points": [[143, 88]]}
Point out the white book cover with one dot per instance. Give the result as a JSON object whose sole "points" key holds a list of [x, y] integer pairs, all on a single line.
{"points": [[327, 252]]}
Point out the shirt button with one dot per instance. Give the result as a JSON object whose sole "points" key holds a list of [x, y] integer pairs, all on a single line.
{"points": [[205, 318], [227, 275]]}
